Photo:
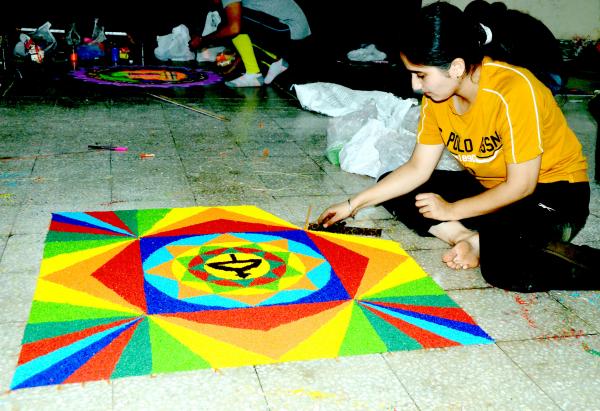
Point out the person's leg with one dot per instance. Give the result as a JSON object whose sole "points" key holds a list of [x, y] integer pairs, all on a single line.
{"points": [[252, 77], [275, 64], [464, 241], [271, 40], [276, 69], [450, 185], [525, 246], [243, 45]]}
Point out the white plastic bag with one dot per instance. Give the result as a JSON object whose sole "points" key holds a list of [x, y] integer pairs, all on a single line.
{"points": [[174, 46], [73, 38], [341, 129], [38, 45], [371, 132], [360, 154], [368, 53], [336, 100], [98, 35], [213, 19], [44, 38], [395, 149]]}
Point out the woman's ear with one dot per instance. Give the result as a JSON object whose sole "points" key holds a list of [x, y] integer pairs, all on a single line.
{"points": [[457, 68]]}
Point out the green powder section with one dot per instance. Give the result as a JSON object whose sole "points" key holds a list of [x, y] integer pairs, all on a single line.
{"points": [[361, 334], [53, 249], [425, 300], [57, 236], [168, 354], [391, 336], [40, 331], [57, 312], [140, 221], [422, 286], [136, 359], [129, 218]]}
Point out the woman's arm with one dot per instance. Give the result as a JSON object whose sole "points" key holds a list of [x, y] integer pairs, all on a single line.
{"points": [[521, 180], [231, 28], [404, 179]]}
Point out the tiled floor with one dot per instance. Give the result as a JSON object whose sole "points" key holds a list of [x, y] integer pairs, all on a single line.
{"points": [[271, 154]]}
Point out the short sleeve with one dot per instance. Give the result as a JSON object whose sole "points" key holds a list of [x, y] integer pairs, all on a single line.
{"points": [[428, 131], [520, 120]]}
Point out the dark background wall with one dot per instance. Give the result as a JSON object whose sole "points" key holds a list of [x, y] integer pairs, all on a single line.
{"points": [[338, 27]]}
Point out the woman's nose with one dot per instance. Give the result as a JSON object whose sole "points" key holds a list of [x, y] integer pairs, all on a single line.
{"points": [[416, 82]]}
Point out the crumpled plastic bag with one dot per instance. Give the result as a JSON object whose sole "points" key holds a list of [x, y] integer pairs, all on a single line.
{"points": [[376, 147], [336, 100], [341, 129], [38, 45], [368, 53], [370, 132], [72, 37], [213, 19], [92, 47], [396, 149], [174, 46], [360, 155], [98, 35]]}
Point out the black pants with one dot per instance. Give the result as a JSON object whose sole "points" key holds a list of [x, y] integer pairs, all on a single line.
{"points": [[512, 239], [270, 36]]}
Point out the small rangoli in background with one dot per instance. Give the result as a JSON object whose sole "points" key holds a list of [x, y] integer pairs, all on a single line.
{"points": [[147, 76]]}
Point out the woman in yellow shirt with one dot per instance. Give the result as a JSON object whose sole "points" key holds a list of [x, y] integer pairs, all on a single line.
{"points": [[524, 193]]}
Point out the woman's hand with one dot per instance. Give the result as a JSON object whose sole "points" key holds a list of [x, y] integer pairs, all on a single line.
{"points": [[433, 206], [195, 42], [335, 213]]}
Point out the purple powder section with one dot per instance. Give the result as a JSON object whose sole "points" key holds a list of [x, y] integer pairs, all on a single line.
{"points": [[147, 76]]}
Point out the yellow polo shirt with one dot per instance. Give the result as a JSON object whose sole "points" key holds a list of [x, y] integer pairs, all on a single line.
{"points": [[513, 119]]}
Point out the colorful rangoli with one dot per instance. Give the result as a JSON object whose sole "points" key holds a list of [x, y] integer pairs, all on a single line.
{"points": [[147, 76], [138, 292]]}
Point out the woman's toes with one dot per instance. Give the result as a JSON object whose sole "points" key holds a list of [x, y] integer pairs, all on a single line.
{"points": [[449, 256]]}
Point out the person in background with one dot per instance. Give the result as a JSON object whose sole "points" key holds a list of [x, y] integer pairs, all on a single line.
{"points": [[273, 27], [524, 193], [521, 39]]}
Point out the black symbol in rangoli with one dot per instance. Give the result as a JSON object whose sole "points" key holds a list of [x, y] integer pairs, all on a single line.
{"points": [[240, 267]]}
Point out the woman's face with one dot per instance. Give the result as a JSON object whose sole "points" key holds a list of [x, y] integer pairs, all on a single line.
{"points": [[432, 81]]}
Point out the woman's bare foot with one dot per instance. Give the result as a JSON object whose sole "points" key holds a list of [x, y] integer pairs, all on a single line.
{"points": [[464, 254]]}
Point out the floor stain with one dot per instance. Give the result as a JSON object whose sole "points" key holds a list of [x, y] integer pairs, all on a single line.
{"points": [[315, 395], [590, 350], [524, 304]]}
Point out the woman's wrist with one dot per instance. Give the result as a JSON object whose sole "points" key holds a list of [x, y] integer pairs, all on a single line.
{"points": [[351, 207]]}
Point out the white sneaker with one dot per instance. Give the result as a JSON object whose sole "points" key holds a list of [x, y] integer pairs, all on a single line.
{"points": [[247, 80], [276, 69]]}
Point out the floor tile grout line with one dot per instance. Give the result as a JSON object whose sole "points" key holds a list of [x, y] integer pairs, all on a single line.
{"points": [[529, 377], [400, 381], [112, 395], [551, 295], [262, 389], [547, 338]]}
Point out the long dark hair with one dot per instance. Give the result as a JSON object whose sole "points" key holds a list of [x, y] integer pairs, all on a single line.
{"points": [[444, 32], [520, 39]]}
